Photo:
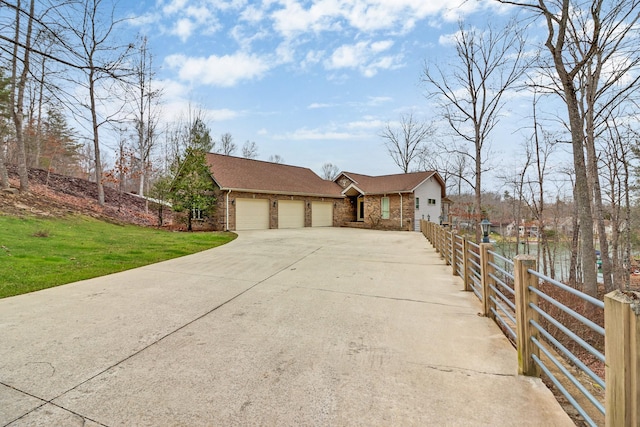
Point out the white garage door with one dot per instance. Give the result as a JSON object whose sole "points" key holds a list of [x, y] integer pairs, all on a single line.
{"points": [[290, 214], [252, 214], [322, 214]]}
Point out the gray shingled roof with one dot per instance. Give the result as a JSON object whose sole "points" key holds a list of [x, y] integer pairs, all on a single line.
{"points": [[236, 173]]}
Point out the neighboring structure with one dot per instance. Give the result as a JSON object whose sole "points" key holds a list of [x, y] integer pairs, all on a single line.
{"points": [[253, 194]]}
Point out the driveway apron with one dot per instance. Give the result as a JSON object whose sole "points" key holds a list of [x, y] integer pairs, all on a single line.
{"points": [[317, 326]]}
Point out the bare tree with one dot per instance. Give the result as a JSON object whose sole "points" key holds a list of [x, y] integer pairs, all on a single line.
{"points": [[101, 65], [5, 126], [330, 171], [471, 92], [276, 158], [250, 150], [405, 142], [583, 40], [146, 113], [227, 146], [18, 85]]}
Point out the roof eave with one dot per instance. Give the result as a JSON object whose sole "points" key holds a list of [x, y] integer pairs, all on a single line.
{"points": [[283, 193]]}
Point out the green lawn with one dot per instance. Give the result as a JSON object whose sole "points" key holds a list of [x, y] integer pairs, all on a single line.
{"points": [[41, 253]]}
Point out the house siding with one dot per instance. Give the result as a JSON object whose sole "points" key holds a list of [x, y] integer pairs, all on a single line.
{"points": [[430, 189]]}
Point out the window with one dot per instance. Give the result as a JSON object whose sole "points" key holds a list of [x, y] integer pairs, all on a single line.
{"points": [[431, 201], [385, 208], [196, 213], [417, 202]]}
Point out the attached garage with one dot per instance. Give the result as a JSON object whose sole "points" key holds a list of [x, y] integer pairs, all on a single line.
{"points": [[322, 214], [290, 214], [252, 214]]}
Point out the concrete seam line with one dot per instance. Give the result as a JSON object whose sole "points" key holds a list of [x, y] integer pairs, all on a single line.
{"points": [[44, 402], [381, 297], [168, 334]]}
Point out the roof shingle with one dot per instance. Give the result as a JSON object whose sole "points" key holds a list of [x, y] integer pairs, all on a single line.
{"points": [[399, 183], [240, 174]]}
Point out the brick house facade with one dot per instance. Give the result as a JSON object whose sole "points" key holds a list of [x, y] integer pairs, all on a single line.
{"points": [[253, 194]]}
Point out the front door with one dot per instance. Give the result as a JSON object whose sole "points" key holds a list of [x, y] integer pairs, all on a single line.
{"points": [[361, 208]]}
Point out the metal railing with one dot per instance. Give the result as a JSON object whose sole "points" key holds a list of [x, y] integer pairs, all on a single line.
{"points": [[551, 324]]}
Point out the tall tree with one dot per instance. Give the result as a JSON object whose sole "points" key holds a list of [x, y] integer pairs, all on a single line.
{"points": [[471, 92], [250, 150], [93, 28], [5, 127], [407, 141], [19, 76], [329, 171], [146, 113], [227, 146], [276, 158], [585, 38], [191, 189]]}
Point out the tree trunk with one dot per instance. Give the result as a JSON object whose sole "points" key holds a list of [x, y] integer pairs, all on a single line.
{"points": [[18, 88], [575, 240], [96, 140], [4, 175], [478, 194]]}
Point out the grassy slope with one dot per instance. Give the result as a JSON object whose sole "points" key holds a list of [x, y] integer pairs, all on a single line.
{"points": [[40, 253]]}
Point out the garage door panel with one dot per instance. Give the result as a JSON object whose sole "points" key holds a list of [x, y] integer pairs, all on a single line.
{"points": [[322, 214], [252, 214], [290, 214]]}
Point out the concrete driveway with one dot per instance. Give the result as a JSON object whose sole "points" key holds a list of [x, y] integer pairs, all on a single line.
{"points": [[278, 328]]}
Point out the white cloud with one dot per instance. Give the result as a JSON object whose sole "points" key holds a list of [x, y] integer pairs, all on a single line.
{"points": [[174, 6], [183, 28], [367, 124], [348, 56], [362, 56], [316, 105], [225, 71], [223, 114], [381, 46], [252, 14]]}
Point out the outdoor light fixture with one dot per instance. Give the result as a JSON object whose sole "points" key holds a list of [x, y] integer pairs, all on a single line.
{"points": [[485, 224]]}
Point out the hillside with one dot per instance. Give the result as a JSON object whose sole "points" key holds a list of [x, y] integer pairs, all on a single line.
{"points": [[53, 195]]}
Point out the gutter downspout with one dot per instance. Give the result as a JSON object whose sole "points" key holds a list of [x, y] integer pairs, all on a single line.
{"points": [[400, 211], [227, 223]]}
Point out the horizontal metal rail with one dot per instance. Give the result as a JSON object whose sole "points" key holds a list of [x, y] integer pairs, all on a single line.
{"points": [[501, 258], [572, 357], [502, 320], [591, 349], [557, 383], [475, 264], [579, 317], [501, 270], [504, 298], [569, 289]]}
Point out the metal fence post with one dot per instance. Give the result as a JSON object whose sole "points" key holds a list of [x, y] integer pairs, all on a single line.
{"points": [[485, 270], [524, 313], [622, 350]]}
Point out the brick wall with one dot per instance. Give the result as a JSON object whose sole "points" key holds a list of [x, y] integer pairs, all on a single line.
{"points": [[396, 221]]}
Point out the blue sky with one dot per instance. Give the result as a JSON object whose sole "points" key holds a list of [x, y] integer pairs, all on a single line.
{"points": [[311, 81]]}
